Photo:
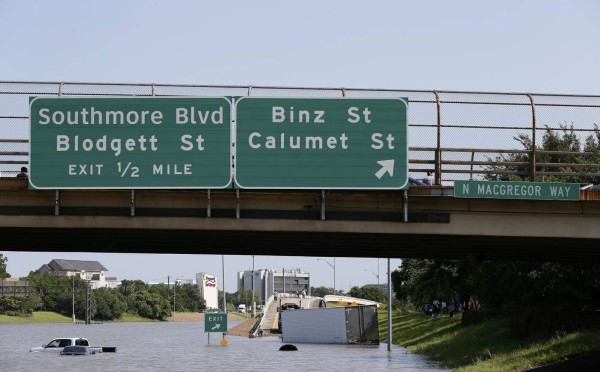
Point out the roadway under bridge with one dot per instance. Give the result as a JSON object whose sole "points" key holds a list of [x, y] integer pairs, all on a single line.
{"points": [[425, 222]]}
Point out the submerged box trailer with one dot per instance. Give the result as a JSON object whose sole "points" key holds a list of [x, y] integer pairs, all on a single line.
{"points": [[350, 325]]}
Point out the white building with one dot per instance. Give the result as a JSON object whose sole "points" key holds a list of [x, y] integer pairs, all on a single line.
{"points": [[208, 289], [91, 271], [266, 282]]}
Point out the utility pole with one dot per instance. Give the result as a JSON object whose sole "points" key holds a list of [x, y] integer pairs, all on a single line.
{"points": [[389, 320], [73, 298], [253, 302], [223, 268], [333, 267], [174, 293]]}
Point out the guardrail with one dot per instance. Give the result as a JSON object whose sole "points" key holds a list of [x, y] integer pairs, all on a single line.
{"points": [[457, 135]]}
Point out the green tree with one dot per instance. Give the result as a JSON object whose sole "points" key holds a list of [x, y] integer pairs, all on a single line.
{"points": [[321, 291], [420, 280], [512, 286], [244, 296], [568, 150], [109, 303], [56, 293], [3, 273], [149, 305], [369, 292], [228, 299], [188, 298]]}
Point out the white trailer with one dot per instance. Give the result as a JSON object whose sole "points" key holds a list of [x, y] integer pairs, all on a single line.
{"points": [[331, 325]]}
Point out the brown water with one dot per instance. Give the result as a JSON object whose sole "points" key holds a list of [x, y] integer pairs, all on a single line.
{"points": [[183, 346]]}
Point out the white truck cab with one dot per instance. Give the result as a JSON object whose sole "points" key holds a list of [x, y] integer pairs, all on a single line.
{"points": [[57, 345]]}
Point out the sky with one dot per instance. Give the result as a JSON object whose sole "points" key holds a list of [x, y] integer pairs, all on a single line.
{"points": [[508, 46]]}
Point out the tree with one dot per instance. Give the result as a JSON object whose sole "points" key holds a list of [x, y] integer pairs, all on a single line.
{"points": [[420, 280], [228, 298], [568, 147], [188, 298], [369, 292], [321, 291], [57, 293], [109, 303], [3, 261], [244, 296], [149, 305]]}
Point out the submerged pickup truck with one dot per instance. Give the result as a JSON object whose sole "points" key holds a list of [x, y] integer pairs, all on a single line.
{"points": [[58, 344]]}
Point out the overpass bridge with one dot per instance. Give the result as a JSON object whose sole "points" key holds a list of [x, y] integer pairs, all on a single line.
{"points": [[455, 135], [423, 222]]}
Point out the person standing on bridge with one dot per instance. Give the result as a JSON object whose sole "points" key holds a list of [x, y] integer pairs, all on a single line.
{"points": [[23, 172]]}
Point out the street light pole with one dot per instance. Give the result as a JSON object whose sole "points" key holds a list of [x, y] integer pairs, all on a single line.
{"points": [[73, 298], [332, 266], [174, 286], [253, 302], [378, 272], [223, 267], [376, 275]]}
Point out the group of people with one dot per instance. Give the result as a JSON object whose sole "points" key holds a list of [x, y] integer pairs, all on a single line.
{"points": [[435, 308]]}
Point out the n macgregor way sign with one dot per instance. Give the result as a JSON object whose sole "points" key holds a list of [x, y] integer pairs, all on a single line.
{"points": [[187, 142]]}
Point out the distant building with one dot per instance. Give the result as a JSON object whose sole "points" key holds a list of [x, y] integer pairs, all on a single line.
{"points": [[266, 282], [208, 289], [91, 271]]}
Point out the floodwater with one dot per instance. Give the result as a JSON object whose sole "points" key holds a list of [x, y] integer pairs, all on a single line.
{"points": [[183, 346]]}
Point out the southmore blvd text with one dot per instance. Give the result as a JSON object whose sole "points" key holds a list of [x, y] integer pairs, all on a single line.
{"points": [[92, 116]]}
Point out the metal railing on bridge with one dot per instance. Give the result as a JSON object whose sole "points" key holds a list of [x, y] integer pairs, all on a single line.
{"points": [[456, 135]]}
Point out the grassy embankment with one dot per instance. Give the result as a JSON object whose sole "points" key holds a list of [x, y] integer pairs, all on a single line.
{"points": [[50, 317], [37, 317], [483, 347]]}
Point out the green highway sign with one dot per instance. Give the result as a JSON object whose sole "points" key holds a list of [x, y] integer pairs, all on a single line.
{"points": [[130, 143], [516, 190], [215, 322], [316, 143]]}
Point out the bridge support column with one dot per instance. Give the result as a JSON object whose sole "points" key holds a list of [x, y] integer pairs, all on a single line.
{"points": [[405, 206], [237, 203], [132, 204], [208, 210], [322, 205], [389, 320], [57, 202]]}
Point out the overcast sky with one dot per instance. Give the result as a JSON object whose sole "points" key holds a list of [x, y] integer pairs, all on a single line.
{"points": [[507, 46]]}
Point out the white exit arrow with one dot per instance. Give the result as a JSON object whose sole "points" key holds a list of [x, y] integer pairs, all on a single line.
{"points": [[217, 326], [387, 166]]}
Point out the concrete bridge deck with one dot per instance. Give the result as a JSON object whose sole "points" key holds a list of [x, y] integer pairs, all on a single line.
{"points": [[355, 224]]}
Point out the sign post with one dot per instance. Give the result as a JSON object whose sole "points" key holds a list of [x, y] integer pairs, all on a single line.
{"points": [[306, 143], [215, 322], [130, 143]]}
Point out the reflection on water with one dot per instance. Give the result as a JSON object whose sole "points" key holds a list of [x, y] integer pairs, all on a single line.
{"points": [[183, 346]]}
